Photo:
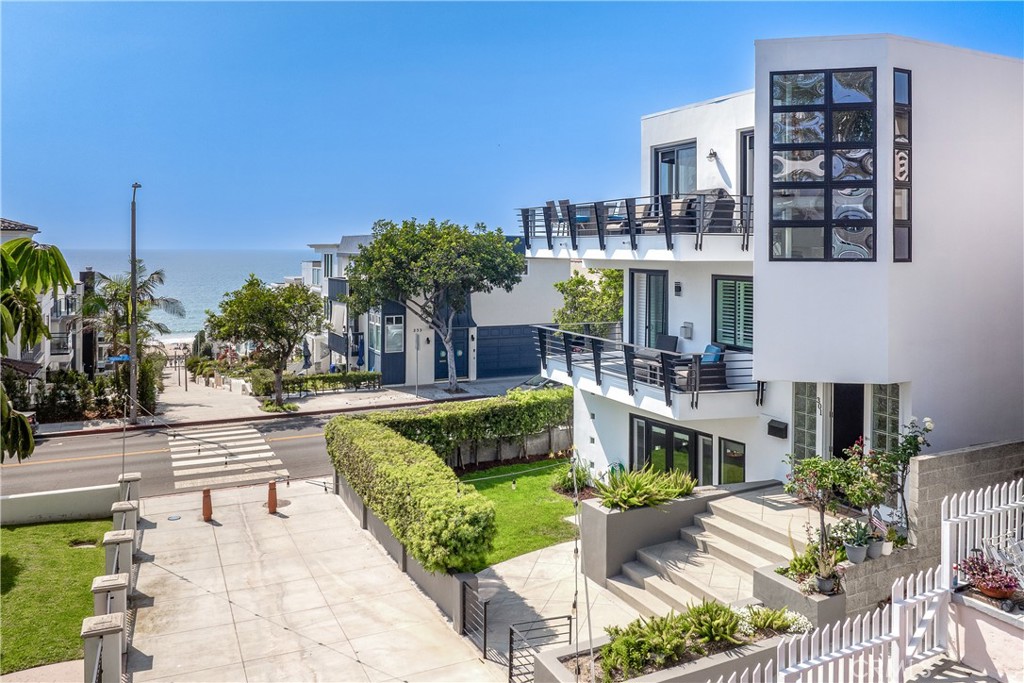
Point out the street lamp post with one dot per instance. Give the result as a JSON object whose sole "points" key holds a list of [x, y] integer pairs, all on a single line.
{"points": [[133, 367]]}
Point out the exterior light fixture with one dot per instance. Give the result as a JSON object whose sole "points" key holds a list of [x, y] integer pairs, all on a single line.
{"points": [[712, 155]]}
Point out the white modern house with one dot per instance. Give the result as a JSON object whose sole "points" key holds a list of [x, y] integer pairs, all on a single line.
{"points": [[813, 260], [493, 338], [62, 351]]}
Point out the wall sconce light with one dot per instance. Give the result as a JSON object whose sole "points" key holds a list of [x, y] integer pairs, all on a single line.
{"points": [[712, 155], [678, 288]]}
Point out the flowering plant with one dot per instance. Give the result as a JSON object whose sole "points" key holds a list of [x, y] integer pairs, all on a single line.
{"points": [[909, 446], [988, 574], [869, 479]]}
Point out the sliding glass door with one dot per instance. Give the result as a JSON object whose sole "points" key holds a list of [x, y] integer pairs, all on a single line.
{"points": [[649, 309], [675, 170], [664, 447]]}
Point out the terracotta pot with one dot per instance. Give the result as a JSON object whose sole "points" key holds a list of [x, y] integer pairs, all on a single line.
{"points": [[875, 549], [997, 593], [826, 586], [887, 547]]}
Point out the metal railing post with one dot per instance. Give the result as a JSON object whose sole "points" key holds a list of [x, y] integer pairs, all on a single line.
{"points": [[542, 341], [527, 215], [699, 243], [548, 227], [570, 215], [666, 218], [596, 348], [601, 216], [666, 369], [630, 355], [511, 650], [483, 645], [631, 221], [567, 346]]}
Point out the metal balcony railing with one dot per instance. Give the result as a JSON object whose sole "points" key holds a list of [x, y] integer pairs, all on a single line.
{"points": [[697, 215], [63, 307], [33, 354], [688, 374]]}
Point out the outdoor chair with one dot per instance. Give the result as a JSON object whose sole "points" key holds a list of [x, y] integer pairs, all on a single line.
{"points": [[712, 370], [647, 362]]}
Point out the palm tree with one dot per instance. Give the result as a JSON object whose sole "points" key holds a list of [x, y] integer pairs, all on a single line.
{"points": [[109, 308]]}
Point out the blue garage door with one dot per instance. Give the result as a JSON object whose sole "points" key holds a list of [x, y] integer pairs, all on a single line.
{"points": [[506, 350]]}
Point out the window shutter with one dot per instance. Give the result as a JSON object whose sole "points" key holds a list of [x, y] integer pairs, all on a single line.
{"points": [[745, 306], [727, 312]]}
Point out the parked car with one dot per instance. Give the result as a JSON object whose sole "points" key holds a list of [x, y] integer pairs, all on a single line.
{"points": [[537, 382], [30, 415]]}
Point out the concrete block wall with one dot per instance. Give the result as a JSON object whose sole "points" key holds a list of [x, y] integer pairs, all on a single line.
{"points": [[931, 478]]}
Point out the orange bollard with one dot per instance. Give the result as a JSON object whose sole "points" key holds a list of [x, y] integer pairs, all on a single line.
{"points": [[272, 498], [207, 506]]}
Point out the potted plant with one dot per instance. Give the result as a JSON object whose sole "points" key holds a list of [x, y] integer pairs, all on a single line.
{"points": [[989, 576], [856, 543], [890, 539], [827, 576], [868, 482]]}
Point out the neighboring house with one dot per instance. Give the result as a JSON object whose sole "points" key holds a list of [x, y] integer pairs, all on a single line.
{"points": [[62, 351], [849, 237], [493, 338]]}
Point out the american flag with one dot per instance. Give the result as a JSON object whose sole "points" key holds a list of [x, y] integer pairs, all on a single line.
{"points": [[877, 523]]}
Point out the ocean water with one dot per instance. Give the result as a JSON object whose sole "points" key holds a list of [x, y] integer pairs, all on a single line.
{"points": [[198, 278]]}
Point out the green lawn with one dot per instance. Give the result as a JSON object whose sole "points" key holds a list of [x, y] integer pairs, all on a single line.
{"points": [[532, 516], [45, 591]]}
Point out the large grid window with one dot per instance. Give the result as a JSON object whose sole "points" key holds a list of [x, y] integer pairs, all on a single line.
{"points": [[885, 416], [805, 419], [823, 165], [733, 312], [901, 167], [394, 334]]}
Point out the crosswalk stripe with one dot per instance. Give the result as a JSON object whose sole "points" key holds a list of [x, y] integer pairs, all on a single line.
{"points": [[210, 461], [250, 476], [219, 451], [227, 468], [192, 436], [213, 443], [214, 430]]}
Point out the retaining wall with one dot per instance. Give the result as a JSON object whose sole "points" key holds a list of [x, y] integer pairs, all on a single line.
{"points": [[90, 502]]}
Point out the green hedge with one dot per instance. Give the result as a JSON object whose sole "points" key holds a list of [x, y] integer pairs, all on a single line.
{"points": [[262, 382], [513, 416], [447, 527]]}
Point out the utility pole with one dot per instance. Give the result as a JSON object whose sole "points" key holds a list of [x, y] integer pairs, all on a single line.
{"points": [[133, 366]]}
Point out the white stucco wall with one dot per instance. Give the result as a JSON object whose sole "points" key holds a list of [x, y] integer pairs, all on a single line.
{"points": [[714, 124], [919, 323], [531, 301]]}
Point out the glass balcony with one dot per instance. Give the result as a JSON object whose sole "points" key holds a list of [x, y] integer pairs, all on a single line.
{"points": [[714, 215]]}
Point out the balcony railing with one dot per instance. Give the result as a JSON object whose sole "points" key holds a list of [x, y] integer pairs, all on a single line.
{"points": [[696, 215], [33, 354], [64, 307], [60, 344], [689, 374]]}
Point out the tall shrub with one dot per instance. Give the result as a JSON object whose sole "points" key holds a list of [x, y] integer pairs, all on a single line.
{"points": [[446, 527]]}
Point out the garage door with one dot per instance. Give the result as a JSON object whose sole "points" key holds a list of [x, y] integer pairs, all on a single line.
{"points": [[506, 350]]}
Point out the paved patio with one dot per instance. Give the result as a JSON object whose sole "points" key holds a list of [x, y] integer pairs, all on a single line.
{"points": [[301, 595]]}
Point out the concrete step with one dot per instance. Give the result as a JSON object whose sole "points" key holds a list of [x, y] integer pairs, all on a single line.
{"points": [[770, 514], [636, 597], [741, 559], [745, 539], [697, 572], [676, 597]]}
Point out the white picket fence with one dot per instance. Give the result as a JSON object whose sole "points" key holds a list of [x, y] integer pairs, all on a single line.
{"points": [[759, 674], [973, 517], [920, 618], [859, 649]]}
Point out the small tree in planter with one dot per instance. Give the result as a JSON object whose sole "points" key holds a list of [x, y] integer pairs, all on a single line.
{"points": [[898, 460], [818, 481], [870, 477]]}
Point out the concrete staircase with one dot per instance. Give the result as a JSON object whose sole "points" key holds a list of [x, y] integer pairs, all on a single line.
{"points": [[716, 557]]}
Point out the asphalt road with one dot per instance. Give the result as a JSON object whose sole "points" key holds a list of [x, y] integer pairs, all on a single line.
{"points": [[187, 459]]}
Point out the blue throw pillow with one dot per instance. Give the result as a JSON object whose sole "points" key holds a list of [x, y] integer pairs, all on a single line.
{"points": [[712, 354]]}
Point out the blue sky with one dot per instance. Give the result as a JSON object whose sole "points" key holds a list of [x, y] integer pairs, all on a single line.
{"points": [[272, 125]]}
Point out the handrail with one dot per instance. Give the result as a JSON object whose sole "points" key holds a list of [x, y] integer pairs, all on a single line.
{"points": [[696, 213]]}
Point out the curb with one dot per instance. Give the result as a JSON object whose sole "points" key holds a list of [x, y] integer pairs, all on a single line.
{"points": [[251, 418]]}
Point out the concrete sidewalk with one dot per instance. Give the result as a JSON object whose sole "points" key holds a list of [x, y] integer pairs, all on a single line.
{"points": [[302, 595], [201, 404]]}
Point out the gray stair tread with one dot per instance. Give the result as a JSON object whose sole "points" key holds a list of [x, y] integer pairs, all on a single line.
{"points": [[635, 596], [716, 577], [711, 523], [675, 596], [729, 548]]}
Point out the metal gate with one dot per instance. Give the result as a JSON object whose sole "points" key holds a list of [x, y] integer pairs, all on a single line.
{"points": [[474, 617], [525, 639]]}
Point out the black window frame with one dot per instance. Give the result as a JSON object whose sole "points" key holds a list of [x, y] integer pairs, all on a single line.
{"points": [[827, 185], [656, 164], [715, 279], [722, 441], [632, 308], [897, 147]]}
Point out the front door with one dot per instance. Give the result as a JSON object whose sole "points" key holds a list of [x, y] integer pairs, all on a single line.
{"points": [[847, 416], [649, 310], [460, 343]]}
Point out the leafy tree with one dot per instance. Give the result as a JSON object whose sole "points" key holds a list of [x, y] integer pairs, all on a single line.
{"points": [[432, 268], [28, 269], [274, 318], [819, 482], [590, 300]]}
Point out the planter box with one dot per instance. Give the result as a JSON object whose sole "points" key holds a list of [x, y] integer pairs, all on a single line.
{"points": [[612, 537], [775, 590], [547, 668]]}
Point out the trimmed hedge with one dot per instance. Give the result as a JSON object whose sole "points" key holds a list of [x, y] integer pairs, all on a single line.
{"points": [[513, 416], [447, 527], [262, 382]]}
